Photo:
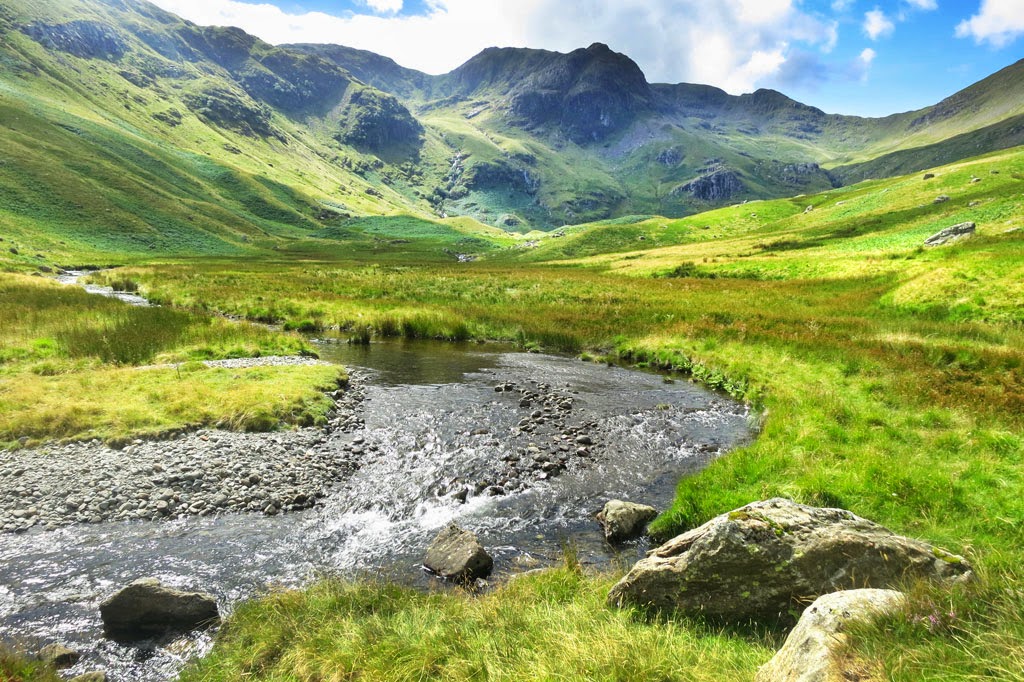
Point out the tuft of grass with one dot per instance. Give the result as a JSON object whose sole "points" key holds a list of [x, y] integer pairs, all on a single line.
{"points": [[16, 666]]}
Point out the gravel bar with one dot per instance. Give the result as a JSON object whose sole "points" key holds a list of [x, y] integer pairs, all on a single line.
{"points": [[196, 473]]}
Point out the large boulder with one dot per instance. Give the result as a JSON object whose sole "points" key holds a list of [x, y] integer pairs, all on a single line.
{"points": [[767, 558], [809, 654], [456, 554], [624, 520], [147, 608], [951, 234]]}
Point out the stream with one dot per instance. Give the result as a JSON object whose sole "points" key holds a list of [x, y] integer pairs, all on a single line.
{"points": [[522, 449]]}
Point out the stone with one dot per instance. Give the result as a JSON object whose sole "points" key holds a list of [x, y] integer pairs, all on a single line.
{"points": [[58, 655], [147, 608], [929, 176], [809, 654], [951, 234], [765, 559], [94, 676], [624, 520], [457, 555], [941, 199]]}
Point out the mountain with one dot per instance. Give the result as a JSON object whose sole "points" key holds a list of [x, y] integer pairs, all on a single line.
{"points": [[127, 129]]}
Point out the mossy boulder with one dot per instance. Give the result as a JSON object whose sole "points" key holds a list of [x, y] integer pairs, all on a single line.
{"points": [[768, 558]]}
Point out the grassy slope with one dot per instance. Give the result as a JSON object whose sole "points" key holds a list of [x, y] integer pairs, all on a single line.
{"points": [[891, 378]]}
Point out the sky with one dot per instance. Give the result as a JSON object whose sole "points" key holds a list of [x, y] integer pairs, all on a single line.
{"points": [[862, 57]]}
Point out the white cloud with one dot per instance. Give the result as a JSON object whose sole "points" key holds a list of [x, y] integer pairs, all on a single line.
{"points": [[998, 22], [841, 5], [926, 5], [385, 6], [734, 44], [877, 25], [868, 55]]}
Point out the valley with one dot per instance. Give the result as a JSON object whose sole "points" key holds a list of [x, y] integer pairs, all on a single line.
{"points": [[531, 215]]}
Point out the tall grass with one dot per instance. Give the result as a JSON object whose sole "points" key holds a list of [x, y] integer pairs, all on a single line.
{"points": [[548, 626]]}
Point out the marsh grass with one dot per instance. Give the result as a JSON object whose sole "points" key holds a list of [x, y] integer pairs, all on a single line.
{"points": [[69, 369]]}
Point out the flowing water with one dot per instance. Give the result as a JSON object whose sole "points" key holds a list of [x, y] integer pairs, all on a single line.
{"points": [[440, 445]]}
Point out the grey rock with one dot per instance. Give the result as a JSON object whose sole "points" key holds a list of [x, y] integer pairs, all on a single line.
{"points": [[624, 520], [941, 199], [146, 608], [94, 676], [58, 655], [929, 176], [764, 559], [456, 554], [809, 654], [951, 234]]}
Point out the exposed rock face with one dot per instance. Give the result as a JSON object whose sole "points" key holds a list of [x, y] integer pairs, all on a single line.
{"points": [[147, 608], [87, 39], [809, 652], [951, 234], [588, 94], [457, 555], [718, 185], [233, 110], [762, 560], [624, 520], [378, 122]]}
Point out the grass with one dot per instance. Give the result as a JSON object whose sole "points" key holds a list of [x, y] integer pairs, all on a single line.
{"points": [[18, 667], [548, 626], [70, 368]]}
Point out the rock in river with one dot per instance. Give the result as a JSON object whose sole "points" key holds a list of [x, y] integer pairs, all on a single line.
{"points": [[147, 608], [809, 654], [456, 554], [764, 559], [624, 520], [58, 655]]}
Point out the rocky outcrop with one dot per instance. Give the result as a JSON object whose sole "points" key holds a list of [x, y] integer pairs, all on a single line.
{"points": [[951, 234], [624, 520], [457, 555], [233, 110], [378, 122], [86, 39], [764, 559], [147, 608], [809, 654], [719, 185]]}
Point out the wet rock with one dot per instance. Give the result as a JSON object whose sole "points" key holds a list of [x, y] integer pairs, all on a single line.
{"points": [[762, 559], [809, 654], [951, 234], [624, 520], [146, 608], [94, 676], [58, 655], [457, 555]]}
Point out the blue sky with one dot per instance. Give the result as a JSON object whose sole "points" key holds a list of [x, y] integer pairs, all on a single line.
{"points": [[865, 57]]}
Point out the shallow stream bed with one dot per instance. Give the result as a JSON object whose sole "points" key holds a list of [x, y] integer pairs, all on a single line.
{"points": [[520, 448]]}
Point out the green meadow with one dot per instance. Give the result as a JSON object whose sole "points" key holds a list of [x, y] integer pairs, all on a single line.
{"points": [[889, 380]]}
